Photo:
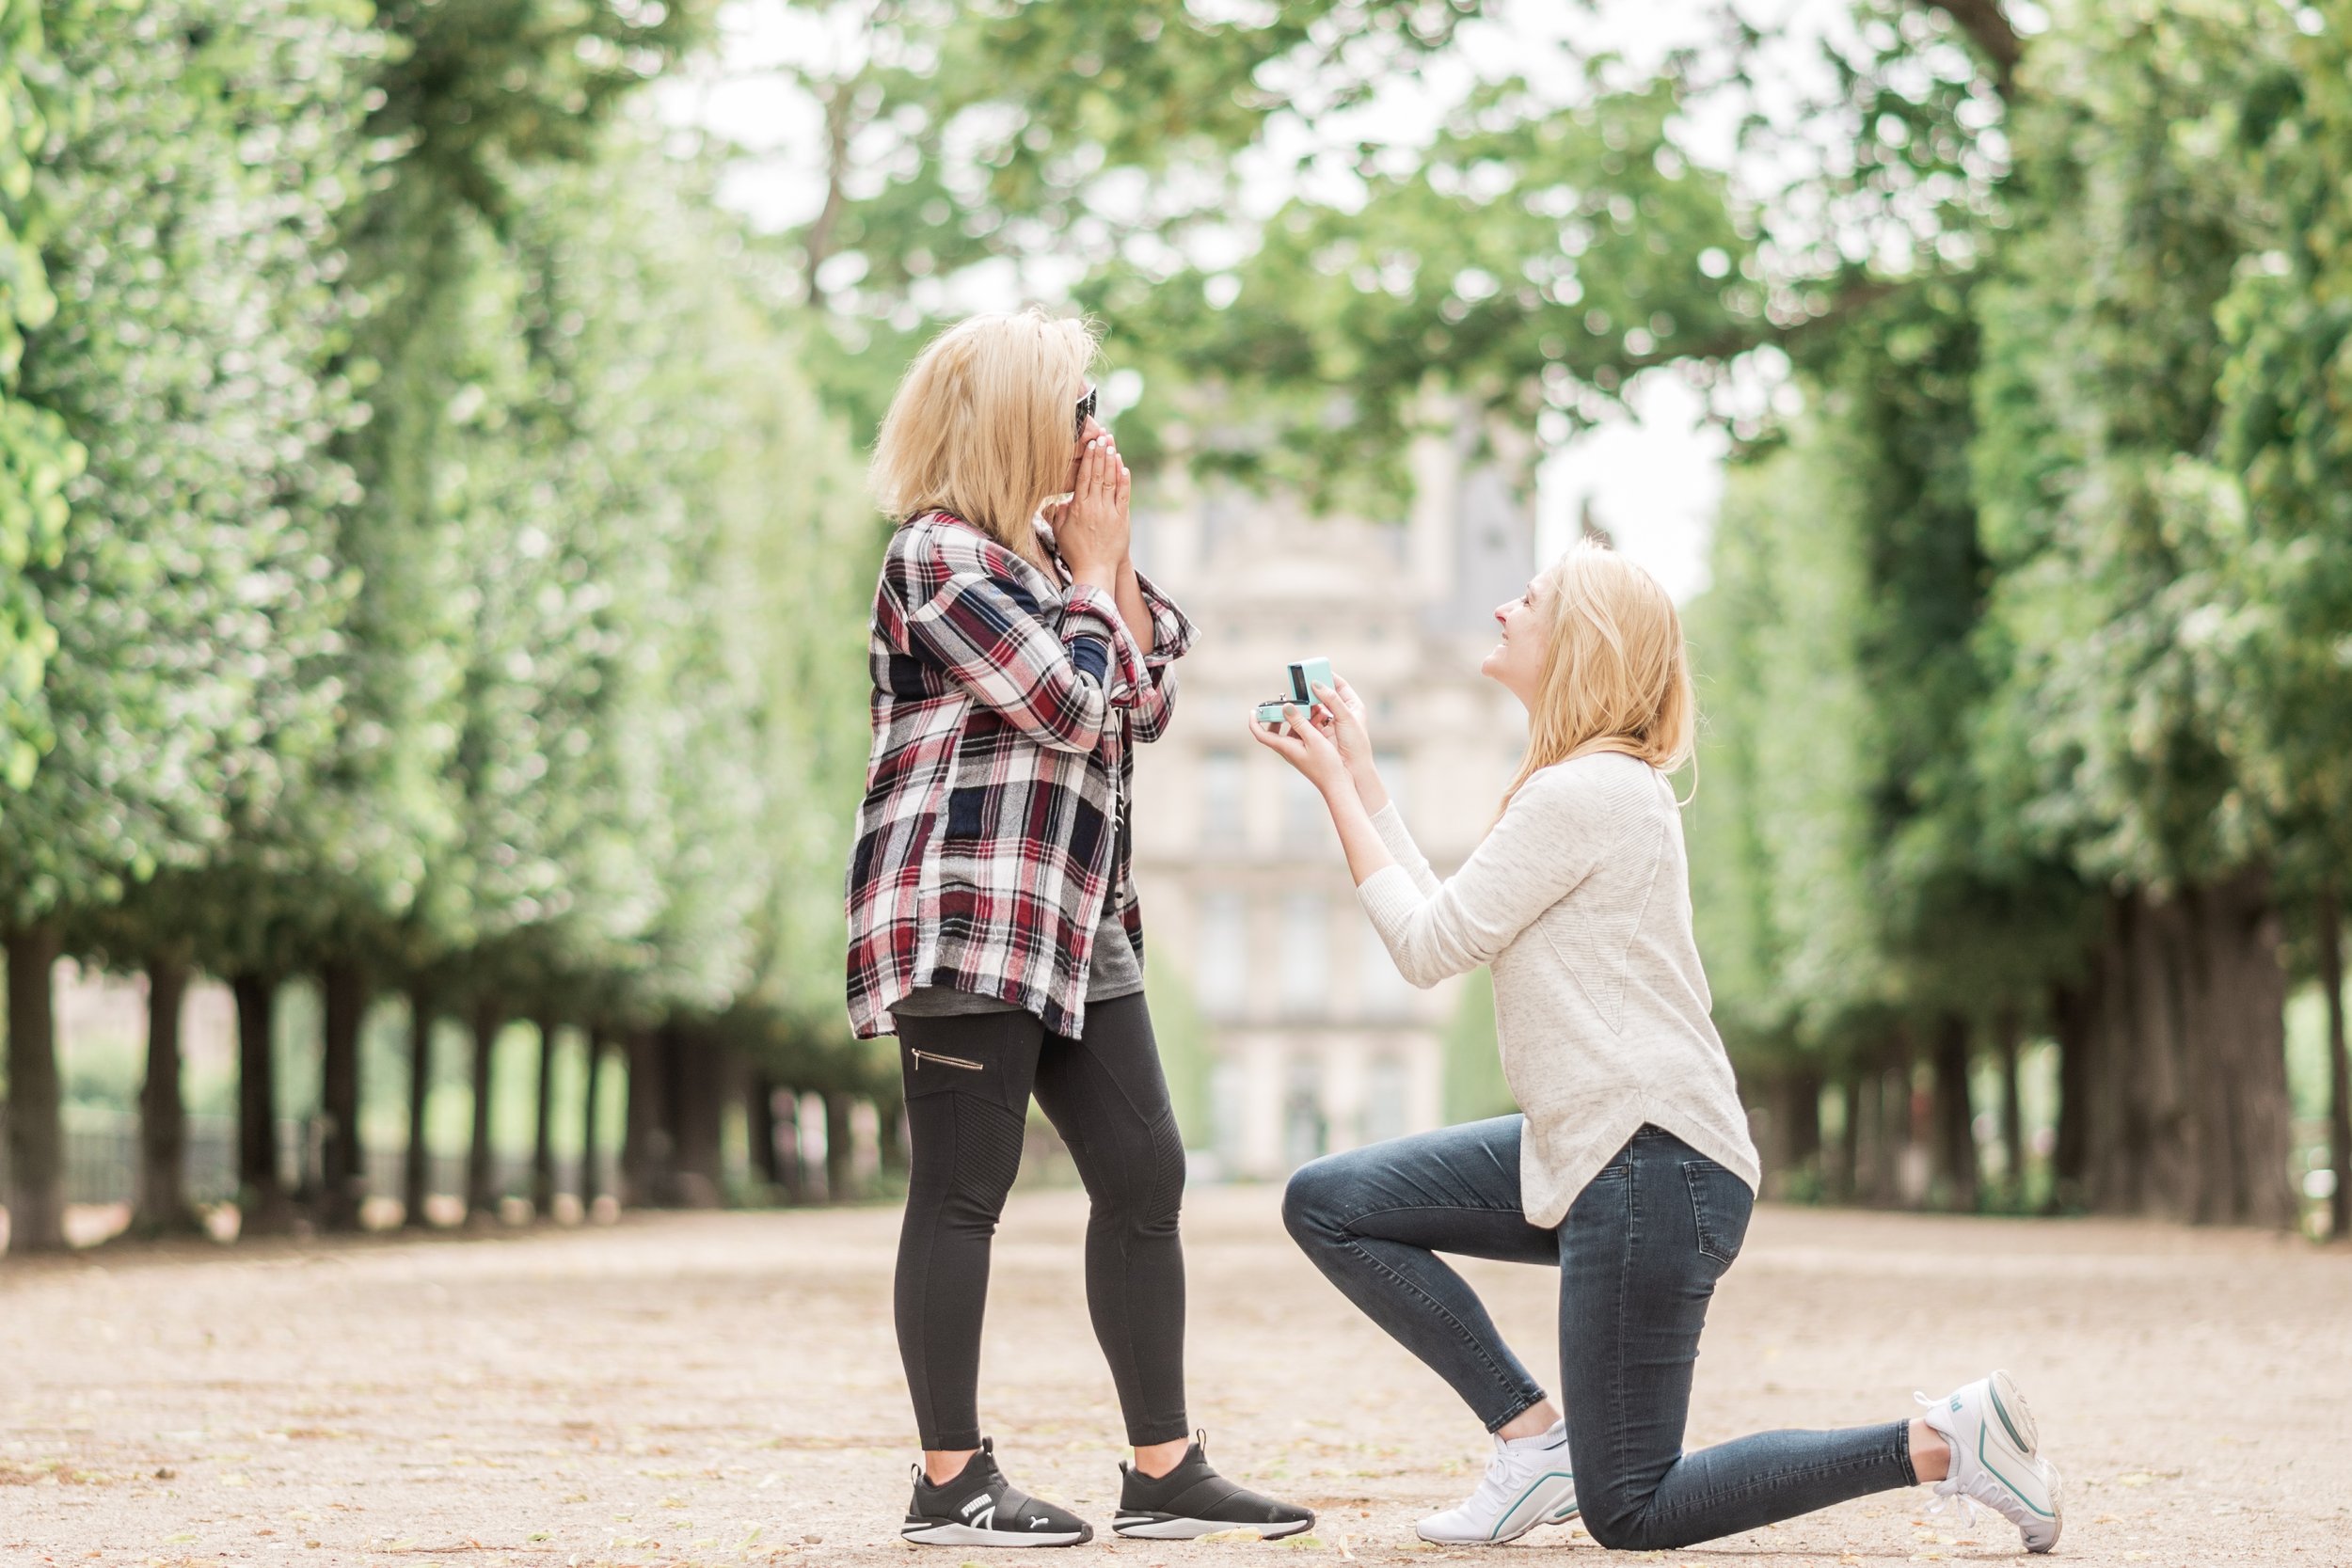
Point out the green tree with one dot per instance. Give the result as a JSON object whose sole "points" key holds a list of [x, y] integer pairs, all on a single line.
{"points": [[2286, 319], [36, 457], [196, 313], [2106, 731]]}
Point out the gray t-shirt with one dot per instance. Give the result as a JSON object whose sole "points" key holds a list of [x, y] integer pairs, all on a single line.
{"points": [[1115, 972]]}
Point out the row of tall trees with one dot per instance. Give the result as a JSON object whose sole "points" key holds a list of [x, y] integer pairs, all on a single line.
{"points": [[432, 569], [2026, 646], [2024, 659], [515, 683]]}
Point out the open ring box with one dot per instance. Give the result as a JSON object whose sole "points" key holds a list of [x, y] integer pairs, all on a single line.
{"points": [[1304, 675]]}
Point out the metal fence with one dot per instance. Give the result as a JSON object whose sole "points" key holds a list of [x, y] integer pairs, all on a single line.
{"points": [[102, 1162]]}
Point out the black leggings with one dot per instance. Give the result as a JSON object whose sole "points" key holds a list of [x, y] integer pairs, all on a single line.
{"points": [[968, 1081]]}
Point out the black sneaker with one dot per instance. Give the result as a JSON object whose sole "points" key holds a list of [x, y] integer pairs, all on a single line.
{"points": [[1193, 1500], [980, 1508]]}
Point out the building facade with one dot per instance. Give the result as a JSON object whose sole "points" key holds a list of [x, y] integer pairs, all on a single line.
{"points": [[1317, 1044]]}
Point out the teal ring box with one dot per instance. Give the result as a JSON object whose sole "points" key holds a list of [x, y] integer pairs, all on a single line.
{"points": [[1304, 675]]}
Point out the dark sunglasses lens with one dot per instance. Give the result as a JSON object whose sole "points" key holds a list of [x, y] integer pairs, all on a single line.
{"points": [[1086, 407]]}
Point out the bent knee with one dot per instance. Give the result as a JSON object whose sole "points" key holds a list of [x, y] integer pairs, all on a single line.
{"points": [[1624, 1524], [1312, 1198]]}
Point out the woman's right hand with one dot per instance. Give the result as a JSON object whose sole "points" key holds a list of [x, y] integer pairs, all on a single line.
{"points": [[1090, 529], [1342, 717]]}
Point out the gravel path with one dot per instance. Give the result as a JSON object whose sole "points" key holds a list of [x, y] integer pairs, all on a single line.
{"points": [[722, 1388]]}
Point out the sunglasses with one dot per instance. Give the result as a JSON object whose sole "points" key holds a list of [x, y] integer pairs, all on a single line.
{"points": [[1087, 405]]}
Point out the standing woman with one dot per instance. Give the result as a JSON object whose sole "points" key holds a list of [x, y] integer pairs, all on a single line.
{"points": [[1016, 655], [1630, 1171]]}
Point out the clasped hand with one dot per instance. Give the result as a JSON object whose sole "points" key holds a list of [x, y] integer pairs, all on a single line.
{"points": [[1090, 529], [1331, 745]]}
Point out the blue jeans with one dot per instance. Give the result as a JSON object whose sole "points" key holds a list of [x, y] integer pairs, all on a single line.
{"points": [[1637, 1254]]}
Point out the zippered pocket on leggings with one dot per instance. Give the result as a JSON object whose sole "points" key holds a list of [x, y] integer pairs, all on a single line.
{"points": [[964, 1062]]}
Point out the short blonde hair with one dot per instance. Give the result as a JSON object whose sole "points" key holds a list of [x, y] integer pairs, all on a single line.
{"points": [[1616, 675], [981, 426]]}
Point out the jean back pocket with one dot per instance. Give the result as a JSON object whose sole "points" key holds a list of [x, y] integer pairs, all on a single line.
{"points": [[1721, 1206]]}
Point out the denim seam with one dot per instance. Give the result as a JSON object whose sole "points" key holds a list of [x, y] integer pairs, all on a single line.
{"points": [[1625, 1279], [1773, 1481], [1438, 1308], [1349, 1220]]}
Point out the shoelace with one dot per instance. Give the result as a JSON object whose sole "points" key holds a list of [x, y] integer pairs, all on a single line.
{"points": [[1492, 1482], [1948, 1488]]}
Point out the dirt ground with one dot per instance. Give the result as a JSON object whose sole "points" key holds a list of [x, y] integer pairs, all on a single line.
{"points": [[723, 1388]]}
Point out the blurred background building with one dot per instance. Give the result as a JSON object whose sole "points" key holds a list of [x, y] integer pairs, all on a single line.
{"points": [[1313, 1042]]}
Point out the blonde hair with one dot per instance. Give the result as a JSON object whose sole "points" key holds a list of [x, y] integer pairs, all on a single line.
{"points": [[1616, 676], [981, 426]]}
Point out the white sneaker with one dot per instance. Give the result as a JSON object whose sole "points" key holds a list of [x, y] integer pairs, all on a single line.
{"points": [[1527, 1483], [1993, 1441]]}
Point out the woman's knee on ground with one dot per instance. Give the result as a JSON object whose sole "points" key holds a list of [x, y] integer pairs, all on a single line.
{"points": [[1619, 1519]]}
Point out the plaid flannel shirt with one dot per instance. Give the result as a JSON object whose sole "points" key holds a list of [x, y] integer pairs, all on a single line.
{"points": [[993, 827]]}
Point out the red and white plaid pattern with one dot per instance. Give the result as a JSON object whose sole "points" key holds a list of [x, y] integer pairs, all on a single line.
{"points": [[994, 825]]}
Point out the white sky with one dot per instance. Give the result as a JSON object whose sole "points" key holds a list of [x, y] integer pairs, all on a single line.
{"points": [[1652, 477]]}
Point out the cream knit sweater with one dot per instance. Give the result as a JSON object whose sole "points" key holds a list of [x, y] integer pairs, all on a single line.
{"points": [[1579, 897]]}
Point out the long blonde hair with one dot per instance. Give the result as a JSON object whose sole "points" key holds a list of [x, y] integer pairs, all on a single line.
{"points": [[1616, 676], [981, 426]]}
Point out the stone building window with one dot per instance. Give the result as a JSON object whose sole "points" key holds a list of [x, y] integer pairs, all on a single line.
{"points": [[1306, 955], [1223, 954]]}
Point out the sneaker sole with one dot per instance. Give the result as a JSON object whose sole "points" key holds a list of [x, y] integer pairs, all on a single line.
{"points": [[1550, 1514], [2018, 1425], [2009, 1409], [966, 1535], [1175, 1526]]}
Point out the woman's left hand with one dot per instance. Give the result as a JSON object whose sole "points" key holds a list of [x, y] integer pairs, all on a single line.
{"points": [[1298, 742]]}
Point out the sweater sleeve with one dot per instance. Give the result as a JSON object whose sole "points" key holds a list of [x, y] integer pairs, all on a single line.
{"points": [[1389, 824], [1551, 836]]}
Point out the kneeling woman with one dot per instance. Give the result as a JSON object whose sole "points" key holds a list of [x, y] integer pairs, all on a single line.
{"points": [[1630, 1171], [993, 920]]}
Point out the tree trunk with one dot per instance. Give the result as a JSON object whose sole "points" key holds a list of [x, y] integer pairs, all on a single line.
{"points": [[415, 1177], [36, 1130], [1869, 1092], [2189, 1116], [2239, 1085], [1799, 1113], [895, 1145], [543, 1130], [591, 1184], [345, 1173], [697, 1100], [645, 1144], [2074, 1019], [262, 1204], [482, 1195], [1894, 1127], [840, 1163], [1955, 1140], [2007, 1033], [2338, 1066], [790, 1171], [1844, 1172], [163, 1208], [759, 1131]]}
